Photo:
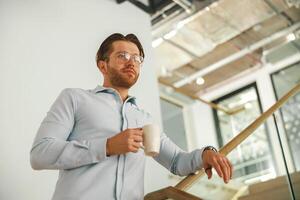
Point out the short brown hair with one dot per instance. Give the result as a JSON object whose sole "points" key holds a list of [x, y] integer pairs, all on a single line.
{"points": [[105, 47]]}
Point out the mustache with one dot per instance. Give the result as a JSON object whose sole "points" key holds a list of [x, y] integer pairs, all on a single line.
{"points": [[129, 69]]}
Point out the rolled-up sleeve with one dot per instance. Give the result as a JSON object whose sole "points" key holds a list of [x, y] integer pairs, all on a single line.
{"points": [[174, 158], [51, 148]]}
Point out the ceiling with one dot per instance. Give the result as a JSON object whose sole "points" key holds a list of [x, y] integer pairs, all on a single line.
{"points": [[201, 44]]}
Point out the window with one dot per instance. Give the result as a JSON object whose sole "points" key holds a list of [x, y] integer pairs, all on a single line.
{"points": [[173, 123], [283, 80], [252, 158]]}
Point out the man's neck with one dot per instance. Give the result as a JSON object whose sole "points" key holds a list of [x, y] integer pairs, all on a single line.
{"points": [[123, 92]]}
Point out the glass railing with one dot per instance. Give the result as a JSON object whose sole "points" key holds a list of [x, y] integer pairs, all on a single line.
{"points": [[259, 175]]}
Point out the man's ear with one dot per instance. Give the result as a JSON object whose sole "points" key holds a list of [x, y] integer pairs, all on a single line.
{"points": [[102, 65]]}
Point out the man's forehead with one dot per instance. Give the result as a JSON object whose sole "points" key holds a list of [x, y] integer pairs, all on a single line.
{"points": [[119, 46]]}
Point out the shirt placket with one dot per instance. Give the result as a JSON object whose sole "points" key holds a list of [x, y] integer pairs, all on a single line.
{"points": [[121, 159]]}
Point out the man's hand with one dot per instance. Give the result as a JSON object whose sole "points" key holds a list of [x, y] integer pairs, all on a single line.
{"points": [[124, 142], [219, 162]]}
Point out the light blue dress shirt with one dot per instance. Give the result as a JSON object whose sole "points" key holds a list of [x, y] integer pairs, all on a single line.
{"points": [[72, 138]]}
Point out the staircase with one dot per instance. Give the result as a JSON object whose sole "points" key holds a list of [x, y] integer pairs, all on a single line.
{"points": [[275, 189]]}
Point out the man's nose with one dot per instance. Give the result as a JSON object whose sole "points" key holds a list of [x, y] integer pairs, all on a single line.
{"points": [[131, 62]]}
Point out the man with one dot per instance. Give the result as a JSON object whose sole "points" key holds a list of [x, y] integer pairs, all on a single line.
{"points": [[93, 137]]}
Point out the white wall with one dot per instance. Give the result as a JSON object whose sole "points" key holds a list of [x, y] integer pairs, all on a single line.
{"points": [[199, 125], [46, 46]]}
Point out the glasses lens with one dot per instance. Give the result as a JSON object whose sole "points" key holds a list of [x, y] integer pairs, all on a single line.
{"points": [[138, 59], [125, 56]]}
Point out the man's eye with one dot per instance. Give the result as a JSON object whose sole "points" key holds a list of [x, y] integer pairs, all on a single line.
{"points": [[121, 55]]}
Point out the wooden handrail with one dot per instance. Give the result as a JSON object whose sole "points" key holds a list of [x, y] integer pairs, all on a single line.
{"points": [[170, 192], [189, 180]]}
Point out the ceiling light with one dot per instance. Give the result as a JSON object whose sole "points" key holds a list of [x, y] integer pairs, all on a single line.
{"points": [[248, 106], [215, 4], [180, 25], [165, 72], [169, 90], [157, 42], [290, 37], [257, 27], [200, 81], [183, 22], [170, 34]]}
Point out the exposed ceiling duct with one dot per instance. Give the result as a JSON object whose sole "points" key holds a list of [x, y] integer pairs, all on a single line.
{"points": [[226, 38], [243, 52], [199, 44]]}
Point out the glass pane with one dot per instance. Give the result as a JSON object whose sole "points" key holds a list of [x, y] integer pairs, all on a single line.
{"points": [[173, 123], [259, 187], [283, 81], [249, 164]]}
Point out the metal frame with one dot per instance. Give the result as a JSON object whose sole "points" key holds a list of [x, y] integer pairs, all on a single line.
{"points": [[217, 122], [148, 9], [226, 96], [280, 110]]}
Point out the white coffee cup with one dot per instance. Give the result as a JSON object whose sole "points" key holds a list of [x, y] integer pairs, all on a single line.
{"points": [[151, 139]]}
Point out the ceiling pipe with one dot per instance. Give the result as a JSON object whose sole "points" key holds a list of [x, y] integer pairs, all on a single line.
{"points": [[237, 55], [161, 11], [186, 5]]}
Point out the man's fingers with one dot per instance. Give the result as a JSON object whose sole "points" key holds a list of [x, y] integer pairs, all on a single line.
{"points": [[137, 131], [136, 146], [225, 168], [137, 138], [208, 171], [230, 168], [218, 168], [132, 133]]}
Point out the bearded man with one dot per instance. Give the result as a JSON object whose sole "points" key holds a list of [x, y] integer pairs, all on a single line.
{"points": [[93, 137]]}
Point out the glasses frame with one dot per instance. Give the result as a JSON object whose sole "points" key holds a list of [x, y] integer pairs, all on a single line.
{"points": [[125, 57]]}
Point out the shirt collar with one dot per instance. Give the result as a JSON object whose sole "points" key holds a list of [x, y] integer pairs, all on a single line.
{"points": [[100, 88]]}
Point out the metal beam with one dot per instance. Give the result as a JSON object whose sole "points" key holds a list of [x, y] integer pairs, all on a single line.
{"points": [[142, 6], [148, 9], [187, 6], [237, 55], [120, 1]]}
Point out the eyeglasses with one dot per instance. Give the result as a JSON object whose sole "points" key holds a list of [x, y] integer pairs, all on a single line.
{"points": [[125, 57]]}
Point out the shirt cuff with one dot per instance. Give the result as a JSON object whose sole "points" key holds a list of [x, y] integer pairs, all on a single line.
{"points": [[198, 158], [98, 149]]}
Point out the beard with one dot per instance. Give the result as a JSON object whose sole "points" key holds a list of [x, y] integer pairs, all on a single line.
{"points": [[121, 78]]}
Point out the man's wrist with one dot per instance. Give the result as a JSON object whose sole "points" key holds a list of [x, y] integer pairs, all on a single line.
{"points": [[211, 148]]}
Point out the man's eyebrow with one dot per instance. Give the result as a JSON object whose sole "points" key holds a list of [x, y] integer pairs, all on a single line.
{"points": [[127, 52], [121, 52]]}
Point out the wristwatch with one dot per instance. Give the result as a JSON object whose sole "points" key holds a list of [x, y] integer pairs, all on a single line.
{"points": [[210, 148]]}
